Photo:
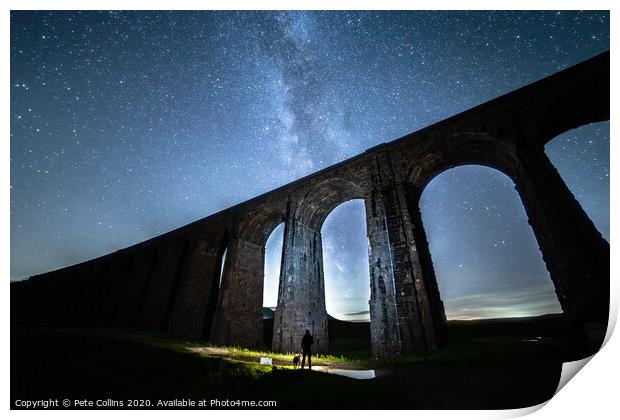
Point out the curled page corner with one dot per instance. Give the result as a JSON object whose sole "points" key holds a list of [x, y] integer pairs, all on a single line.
{"points": [[522, 412], [570, 369]]}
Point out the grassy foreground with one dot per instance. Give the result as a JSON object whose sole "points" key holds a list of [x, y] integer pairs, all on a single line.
{"points": [[96, 363]]}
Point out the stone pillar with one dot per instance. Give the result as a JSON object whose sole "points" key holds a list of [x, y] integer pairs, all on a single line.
{"points": [[200, 280], [433, 314], [301, 293], [407, 315], [160, 287], [238, 320], [137, 283], [96, 287], [575, 253], [116, 282], [384, 328]]}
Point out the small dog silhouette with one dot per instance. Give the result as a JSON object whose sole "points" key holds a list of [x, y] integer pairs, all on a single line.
{"points": [[296, 361]]}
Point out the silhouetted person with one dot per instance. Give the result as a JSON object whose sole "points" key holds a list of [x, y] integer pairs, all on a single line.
{"points": [[306, 349]]}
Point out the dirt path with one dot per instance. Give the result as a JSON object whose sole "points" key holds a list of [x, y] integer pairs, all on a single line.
{"points": [[275, 361]]}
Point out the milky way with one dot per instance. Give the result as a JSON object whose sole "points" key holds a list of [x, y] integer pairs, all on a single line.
{"points": [[125, 125]]}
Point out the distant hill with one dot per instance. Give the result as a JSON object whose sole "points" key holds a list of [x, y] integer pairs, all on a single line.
{"points": [[551, 325], [270, 313], [353, 336]]}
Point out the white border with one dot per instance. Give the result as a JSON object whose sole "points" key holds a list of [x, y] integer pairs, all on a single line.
{"points": [[592, 394]]}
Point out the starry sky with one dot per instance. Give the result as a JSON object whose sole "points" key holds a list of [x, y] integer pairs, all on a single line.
{"points": [[125, 125]]}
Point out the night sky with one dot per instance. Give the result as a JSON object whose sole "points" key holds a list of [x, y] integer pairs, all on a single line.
{"points": [[125, 125]]}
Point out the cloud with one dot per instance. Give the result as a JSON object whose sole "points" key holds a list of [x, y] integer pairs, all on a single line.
{"points": [[358, 313], [529, 302]]}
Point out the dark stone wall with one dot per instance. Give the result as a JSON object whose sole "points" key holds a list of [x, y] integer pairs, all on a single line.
{"points": [[238, 318], [198, 281], [136, 284], [160, 287], [171, 283]]}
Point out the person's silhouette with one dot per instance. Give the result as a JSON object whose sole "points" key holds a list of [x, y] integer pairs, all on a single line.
{"points": [[306, 349]]}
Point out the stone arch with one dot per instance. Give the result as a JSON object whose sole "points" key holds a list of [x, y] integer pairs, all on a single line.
{"points": [[346, 260], [560, 235], [541, 273], [483, 149], [324, 197], [235, 297], [584, 102], [301, 292], [272, 267], [474, 148], [238, 313], [571, 167], [257, 225]]}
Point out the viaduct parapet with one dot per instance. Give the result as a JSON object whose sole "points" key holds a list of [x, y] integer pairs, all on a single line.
{"points": [[172, 283]]}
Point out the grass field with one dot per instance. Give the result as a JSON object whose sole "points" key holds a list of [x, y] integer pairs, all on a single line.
{"points": [[517, 368]]}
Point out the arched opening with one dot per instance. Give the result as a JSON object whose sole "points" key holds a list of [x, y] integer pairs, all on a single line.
{"points": [[222, 264], [273, 262], [347, 291], [581, 156], [485, 255]]}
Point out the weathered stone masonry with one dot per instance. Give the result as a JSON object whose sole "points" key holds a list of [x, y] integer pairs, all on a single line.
{"points": [[172, 283]]}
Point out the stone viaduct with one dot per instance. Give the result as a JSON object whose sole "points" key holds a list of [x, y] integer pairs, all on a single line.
{"points": [[172, 283]]}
